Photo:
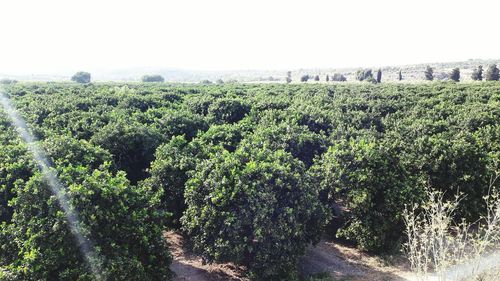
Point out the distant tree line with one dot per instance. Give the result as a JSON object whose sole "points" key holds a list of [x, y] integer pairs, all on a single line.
{"points": [[152, 78], [7, 81], [492, 73], [478, 74]]}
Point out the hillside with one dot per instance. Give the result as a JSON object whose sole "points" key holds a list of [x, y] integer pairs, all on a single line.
{"points": [[409, 72]]}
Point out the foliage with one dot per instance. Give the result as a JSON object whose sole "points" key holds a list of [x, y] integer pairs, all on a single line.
{"points": [[364, 75], [429, 73], [81, 77], [174, 162], [455, 74], [122, 221], [477, 73], [364, 148], [132, 146], [324, 276], [227, 110], [339, 77], [177, 123], [492, 73], [6, 81], [228, 136], [152, 78], [369, 178], [253, 207], [299, 141]]}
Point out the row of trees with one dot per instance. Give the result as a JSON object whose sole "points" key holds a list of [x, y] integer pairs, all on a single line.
{"points": [[83, 77], [492, 74], [336, 77], [367, 75], [250, 174]]}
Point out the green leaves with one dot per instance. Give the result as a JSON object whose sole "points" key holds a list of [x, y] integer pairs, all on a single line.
{"points": [[122, 221], [254, 208], [255, 170], [368, 177]]}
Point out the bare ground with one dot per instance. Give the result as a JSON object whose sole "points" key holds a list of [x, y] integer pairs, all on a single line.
{"points": [[348, 263], [191, 267], [342, 262]]}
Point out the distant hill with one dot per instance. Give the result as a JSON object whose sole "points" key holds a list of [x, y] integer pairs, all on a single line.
{"points": [[412, 72]]}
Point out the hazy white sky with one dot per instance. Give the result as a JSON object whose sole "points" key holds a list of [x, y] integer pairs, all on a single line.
{"points": [[65, 35]]}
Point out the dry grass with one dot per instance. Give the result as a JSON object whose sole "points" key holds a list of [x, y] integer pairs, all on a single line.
{"points": [[449, 250]]}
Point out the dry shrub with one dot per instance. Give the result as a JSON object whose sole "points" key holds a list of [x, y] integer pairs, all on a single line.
{"points": [[451, 248]]}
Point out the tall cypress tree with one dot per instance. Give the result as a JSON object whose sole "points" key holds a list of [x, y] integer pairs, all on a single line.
{"points": [[429, 73], [379, 75]]}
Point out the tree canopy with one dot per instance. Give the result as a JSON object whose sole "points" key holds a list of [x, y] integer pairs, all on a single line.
{"points": [[81, 77]]}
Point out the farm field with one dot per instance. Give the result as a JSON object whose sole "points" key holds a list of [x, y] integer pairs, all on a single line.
{"points": [[251, 176]]}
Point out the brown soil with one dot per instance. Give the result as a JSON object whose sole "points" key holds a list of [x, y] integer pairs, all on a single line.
{"points": [[187, 266], [348, 263], [342, 262]]}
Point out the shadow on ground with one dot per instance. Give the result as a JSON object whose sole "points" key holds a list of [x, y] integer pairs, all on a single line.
{"points": [[187, 266], [347, 263], [341, 262]]}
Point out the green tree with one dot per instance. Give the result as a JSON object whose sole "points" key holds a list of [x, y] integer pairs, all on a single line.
{"points": [[316, 78], [368, 177], [304, 78], [152, 78], [81, 77], [132, 145], [228, 136], [122, 221], [6, 81], [170, 170], [177, 123], [339, 77], [260, 212], [16, 167], [227, 110], [400, 76], [429, 73], [364, 75], [288, 77], [299, 141], [455, 74], [477, 73], [492, 73], [379, 75], [327, 78]]}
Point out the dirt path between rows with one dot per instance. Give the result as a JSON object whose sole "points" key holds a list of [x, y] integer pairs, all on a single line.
{"points": [[187, 266], [342, 262]]}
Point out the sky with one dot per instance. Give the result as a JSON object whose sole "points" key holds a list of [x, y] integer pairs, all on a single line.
{"points": [[54, 36]]}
